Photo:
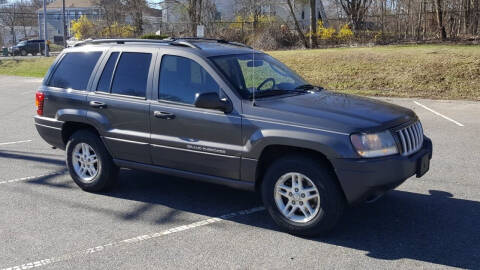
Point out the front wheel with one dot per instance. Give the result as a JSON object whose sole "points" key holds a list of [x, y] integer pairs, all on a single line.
{"points": [[23, 53], [302, 196], [89, 163]]}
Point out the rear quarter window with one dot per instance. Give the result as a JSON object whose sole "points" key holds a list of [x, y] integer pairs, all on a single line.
{"points": [[74, 70]]}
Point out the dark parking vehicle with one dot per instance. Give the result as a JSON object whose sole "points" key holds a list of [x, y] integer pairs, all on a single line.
{"points": [[26, 47], [221, 112]]}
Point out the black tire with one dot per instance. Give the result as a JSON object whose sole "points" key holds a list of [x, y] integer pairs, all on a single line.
{"points": [[332, 201], [107, 172], [23, 53]]}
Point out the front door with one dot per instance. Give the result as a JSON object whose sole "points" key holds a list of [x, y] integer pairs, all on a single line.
{"points": [[188, 138], [119, 107]]}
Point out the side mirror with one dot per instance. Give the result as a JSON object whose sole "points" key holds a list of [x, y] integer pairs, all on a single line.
{"points": [[211, 100]]}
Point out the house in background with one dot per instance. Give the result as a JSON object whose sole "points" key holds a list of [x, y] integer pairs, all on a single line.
{"points": [[74, 9], [174, 12]]}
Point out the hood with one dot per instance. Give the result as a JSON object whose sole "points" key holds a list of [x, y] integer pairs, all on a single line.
{"points": [[334, 111]]}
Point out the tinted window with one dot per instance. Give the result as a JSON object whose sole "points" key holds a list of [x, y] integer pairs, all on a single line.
{"points": [[106, 78], [181, 79], [131, 74], [74, 70]]}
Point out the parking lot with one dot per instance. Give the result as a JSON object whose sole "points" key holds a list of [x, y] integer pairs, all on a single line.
{"points": [[153, 221]]}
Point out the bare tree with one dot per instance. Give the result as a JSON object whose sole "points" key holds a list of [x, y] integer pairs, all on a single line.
{"points": [[113, 11], [439, 12], [356, 11], [8, 17], [136, 8], [297, 25]]}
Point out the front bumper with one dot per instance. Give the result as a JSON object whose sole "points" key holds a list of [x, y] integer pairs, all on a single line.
{"points": [[364, 178]]}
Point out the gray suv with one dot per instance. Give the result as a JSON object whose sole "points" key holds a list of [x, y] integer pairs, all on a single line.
{"points": [[221, 112]]}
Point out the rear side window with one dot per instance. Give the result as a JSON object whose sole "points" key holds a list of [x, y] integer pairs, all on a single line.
{"points": [[131, 74], [106, 78], [182, 78], [75, 70]]}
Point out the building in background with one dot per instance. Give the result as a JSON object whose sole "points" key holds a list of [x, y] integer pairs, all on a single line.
{"points": [[174, 12], [74, 9]]}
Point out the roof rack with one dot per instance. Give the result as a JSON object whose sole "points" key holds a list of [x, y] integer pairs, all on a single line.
{"points": [[186, 42], [133, 40], [223, 41]]}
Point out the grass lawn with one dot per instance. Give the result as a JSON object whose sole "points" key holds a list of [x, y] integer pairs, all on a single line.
{"points": [[31, 67], [429, 71]]}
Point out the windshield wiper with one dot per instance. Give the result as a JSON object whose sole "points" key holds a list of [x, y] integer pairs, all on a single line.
{"points": [[276, 92], [308, 87]]}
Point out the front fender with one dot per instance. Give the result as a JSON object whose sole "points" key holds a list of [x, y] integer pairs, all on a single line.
{"points": [[329, 144]]}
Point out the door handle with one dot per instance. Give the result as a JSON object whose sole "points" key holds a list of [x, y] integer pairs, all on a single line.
{"points": [[98, 104], [164, 115]]}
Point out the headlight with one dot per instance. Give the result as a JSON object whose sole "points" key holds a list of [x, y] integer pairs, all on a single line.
{"points": [[374, 144]]}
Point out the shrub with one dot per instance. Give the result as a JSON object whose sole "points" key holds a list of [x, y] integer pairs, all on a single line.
{"points": [[153, 36], [117, 30], [326, 34], [345, 33], [83, 28]]}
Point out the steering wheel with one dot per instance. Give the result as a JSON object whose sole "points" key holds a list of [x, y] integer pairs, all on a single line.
{"points": [[265, 82]]}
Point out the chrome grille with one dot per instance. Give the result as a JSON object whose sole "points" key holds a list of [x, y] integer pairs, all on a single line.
{"points": [[411, 138]]}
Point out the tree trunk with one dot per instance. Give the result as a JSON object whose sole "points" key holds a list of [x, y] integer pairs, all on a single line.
{"points": [[297, 25], [192, 14], [313, 24], [441, 27], [476, 16], [466, 19]]}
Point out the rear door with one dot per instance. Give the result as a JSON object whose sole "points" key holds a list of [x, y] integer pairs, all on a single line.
{"points": [[118, 104], [192, 139]]}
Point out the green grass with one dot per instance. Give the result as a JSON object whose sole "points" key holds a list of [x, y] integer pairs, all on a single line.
{"points": [[32, 67], [427, 71]]}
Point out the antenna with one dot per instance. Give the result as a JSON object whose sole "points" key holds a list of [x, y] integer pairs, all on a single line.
{"points": [[253, 72], [253, 78]]}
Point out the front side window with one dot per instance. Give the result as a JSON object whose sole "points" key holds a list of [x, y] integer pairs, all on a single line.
{"points": [[260, 73], [131, 74], [181, 79], [75, 70]]}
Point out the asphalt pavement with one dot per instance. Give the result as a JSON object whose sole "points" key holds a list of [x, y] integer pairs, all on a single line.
{"points": [[153, 221]]}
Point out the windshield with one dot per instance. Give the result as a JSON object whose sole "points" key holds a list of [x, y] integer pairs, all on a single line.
{"points": [[22, 43], [260, 73]]}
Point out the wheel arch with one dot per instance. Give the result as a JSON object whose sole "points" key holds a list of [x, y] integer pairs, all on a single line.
{"points": [[273, 152], [71, 127]]}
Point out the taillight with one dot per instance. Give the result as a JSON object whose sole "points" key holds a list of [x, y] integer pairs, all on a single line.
{"points": [[39, 99]]}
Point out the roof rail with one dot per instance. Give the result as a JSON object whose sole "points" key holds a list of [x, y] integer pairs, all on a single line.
{"points": [[223, 41], [132, 40], [186, 42]]}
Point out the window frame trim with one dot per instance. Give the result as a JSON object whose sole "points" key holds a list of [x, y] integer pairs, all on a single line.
{"points": [[166, 101], [120, 51], [91, 78]]}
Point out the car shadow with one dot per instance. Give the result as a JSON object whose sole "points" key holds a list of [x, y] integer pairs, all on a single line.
{"points": [[435, 227]]}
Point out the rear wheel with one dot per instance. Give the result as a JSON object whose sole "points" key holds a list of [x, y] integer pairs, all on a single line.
{"points": [[302, 196], [89, 163]]}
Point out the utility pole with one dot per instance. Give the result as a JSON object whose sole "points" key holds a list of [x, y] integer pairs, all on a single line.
{"points": [[45, 35], [64, 25]]}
